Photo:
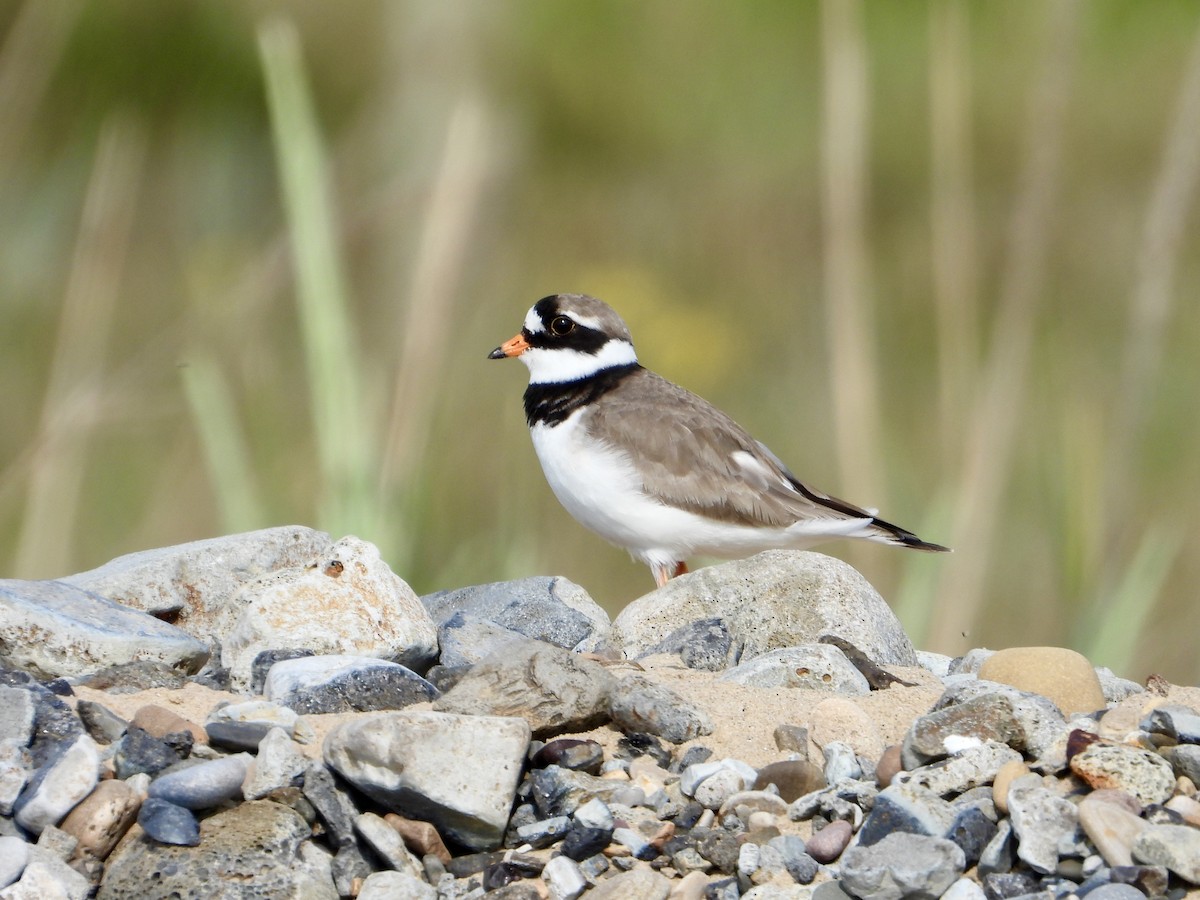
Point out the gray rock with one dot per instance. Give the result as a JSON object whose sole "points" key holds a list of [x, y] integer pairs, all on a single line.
{"points": [[640, 705], [386, 841], [131, 677], [1184, 760], [561, 792], [553, 689], [1111, 827], [841, 763], [1115, 688], [814, 667], [550, 609], [465, 640], [140, 751], [203, 785], [1116, 892], [636, 884], [902, 865], [563, 878], [791, 849], [396, 886], [906, 808], [997, 856], [258, 843], [1046, 825], [17, 710], [57, 787], [971, 768], [964, 889], [332, 684], [781, 598], [169, 824], [544, 832], [14, 854], [242, 726], [706, 644], [1175, 846], [458, 772], [936, 663], [265, 661], [102, 724], [197, 579], [279, 764], [695, 775], [972, 829], [332, 804], [52, 629], [45, 875], [16, 769], [1175, 721], [348, 602]]}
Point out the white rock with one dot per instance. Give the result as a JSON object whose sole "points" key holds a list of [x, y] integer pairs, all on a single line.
{"points": [[396, 886], [458, 772], [46, 877], [348, 602], [780, 598], [69, 779], [563, 878], [14, 854], [817, 667]]}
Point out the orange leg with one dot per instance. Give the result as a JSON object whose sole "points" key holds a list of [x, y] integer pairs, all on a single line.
{"points": [[663, 574]]}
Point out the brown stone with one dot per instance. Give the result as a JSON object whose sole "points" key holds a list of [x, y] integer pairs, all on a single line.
{"points": [[420, 837], [793, 777], [1008, 773], [1062, 676], [827, 844], [102, 818], [158, 721], [889, 765]]}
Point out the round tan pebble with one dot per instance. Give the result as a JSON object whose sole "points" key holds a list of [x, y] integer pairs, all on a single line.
{"points": [[690, 887], [1062, 676], [1185, 787], [889, 766], [838, 719], [1186, 807], [1008, 773], [102, 817]]}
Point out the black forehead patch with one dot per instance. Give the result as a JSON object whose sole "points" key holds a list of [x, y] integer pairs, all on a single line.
{"points": [[546, 308]]}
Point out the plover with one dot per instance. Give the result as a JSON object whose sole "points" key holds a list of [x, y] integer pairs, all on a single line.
{"points": [[650, 466]]}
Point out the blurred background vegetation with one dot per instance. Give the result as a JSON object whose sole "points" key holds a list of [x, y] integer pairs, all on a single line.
{"points": [[941, 256]]}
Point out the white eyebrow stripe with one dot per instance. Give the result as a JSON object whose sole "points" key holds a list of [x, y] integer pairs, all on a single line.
{"points": [[533, 322]]}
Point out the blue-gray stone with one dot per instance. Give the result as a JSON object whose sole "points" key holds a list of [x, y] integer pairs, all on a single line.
{"points": [[104, 725], [545, 832], [204, 785], [333, 804], [131, 677], [14, 853], [583, 841], [906, 808], [1116, 892], [1179, 722], [902, 865], [1002, 885], [17, 710], [972, 830], [140, 751], [464, 640], [333, 684], [264, 661], [168, 823], [550, 609], [638, 704], [53, 629], [790, 847], [237, 735]]}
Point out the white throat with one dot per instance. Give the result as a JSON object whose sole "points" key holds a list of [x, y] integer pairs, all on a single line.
{"points": [[559, 364]]}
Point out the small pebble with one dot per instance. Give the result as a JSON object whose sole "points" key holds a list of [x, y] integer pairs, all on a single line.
{"points": [[169, 824]]}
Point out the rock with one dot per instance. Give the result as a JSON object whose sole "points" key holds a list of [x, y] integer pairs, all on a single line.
{"points": [[553, 689], [14, 854], [17, 711], [818, 667], [570, 753], [841, 763], [1024, 722], [15, 770], [204, 785], [197, 579], [1143, 774], [694, 775], [1045, 824], [458, 772], [1111, 827], [827, 844], [544, 832], [333, 804], [163, 724], [169, 824], [640, 705], [131, 677], [706, 644], [258, 842], [139, 751], [964, 889], [279, 764], [1179, 723], [386, 841], [57, 787], [974, 767], [550, 609], [396, 886], [242, 726], [560, 792], [332, 684], [347, 602], [636, 884], [466, 640], [1116, 688], [53, 629], [46, 876], [1184, 760], [781, 598], [563, 878], [1063, 676], [902, 865], [793, 778], [1175, 846], [1116, 892], [908, 808], [103, 817]]}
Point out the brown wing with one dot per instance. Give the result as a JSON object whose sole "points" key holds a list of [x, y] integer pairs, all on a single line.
{"points": [[694, 456]]}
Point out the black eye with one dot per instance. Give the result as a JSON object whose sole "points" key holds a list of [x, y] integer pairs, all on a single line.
{"points": [[561, 326]]}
